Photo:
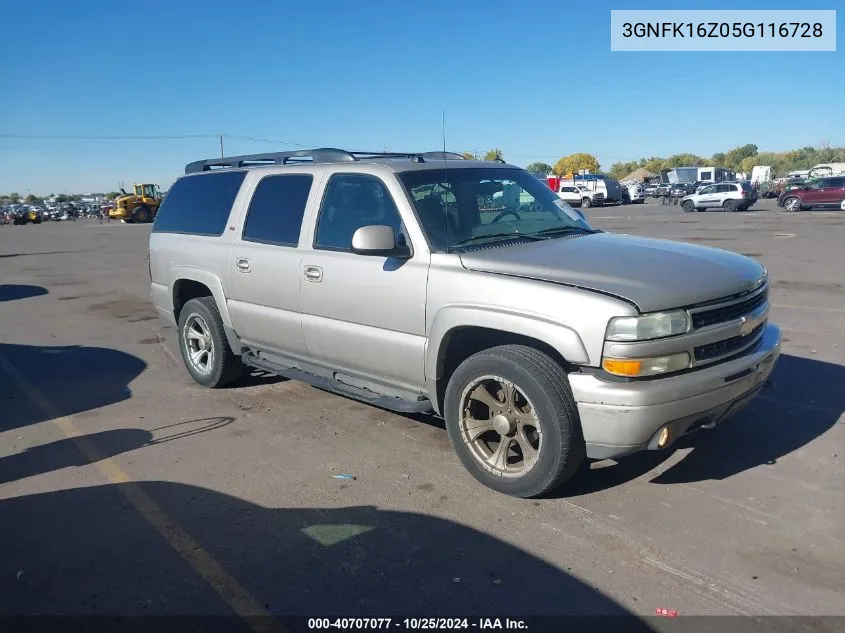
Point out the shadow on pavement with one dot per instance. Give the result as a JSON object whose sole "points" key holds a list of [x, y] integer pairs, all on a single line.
{"points": [[94, 447], [805, 400], [90, 551], [13, 292], [72, 379]]}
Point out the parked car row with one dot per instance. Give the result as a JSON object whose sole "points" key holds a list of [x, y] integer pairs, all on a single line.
{"points": [[36, 214]]}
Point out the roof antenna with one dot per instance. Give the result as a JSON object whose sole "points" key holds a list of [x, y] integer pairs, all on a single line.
{"points": [[446, 197]]}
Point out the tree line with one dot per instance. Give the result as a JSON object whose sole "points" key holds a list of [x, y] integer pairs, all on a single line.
{"points": [[742, 158], [572, 163]]}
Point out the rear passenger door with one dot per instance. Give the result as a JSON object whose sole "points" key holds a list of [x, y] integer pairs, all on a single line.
{"points": [[362, 313], [834, 191], [264, 264]]}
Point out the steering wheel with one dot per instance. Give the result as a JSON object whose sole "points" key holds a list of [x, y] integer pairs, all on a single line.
{"points": [[504, 213]]}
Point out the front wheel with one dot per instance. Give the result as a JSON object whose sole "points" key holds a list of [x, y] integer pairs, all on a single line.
{"points": [[205, 350], [141, 215], [688, 206], [513, 422], [792, 204], [586, 203]]}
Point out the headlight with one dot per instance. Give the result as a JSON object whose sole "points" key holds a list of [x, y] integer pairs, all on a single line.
{"points": [[649, 326], [636, 367]]}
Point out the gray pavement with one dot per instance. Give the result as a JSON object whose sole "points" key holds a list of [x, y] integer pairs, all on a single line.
{"points": [[127, 489]]}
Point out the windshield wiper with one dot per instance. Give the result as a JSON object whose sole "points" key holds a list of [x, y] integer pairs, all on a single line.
{"points": [[564, 230], [498, 236]]}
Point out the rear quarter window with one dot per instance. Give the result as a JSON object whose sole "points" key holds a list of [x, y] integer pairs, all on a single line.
{"points": [[199, 205]]}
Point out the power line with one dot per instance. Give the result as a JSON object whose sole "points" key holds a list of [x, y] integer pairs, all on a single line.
{"points": [[144, 137], [267, 140], [122, 137]]}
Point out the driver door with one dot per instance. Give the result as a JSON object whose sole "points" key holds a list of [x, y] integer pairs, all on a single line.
{"points": [[816, 193], [363, 314], [708, 198]]}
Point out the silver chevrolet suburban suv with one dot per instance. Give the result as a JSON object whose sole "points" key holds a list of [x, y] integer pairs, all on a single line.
{"points": [[426, 282]]}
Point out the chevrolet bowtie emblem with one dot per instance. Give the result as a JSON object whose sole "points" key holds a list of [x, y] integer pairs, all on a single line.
{"points": [[746, 326]]}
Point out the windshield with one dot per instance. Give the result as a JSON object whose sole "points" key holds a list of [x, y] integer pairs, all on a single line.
{"points": [[460, 207]]}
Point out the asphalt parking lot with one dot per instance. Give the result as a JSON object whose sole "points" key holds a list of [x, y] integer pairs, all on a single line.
{"points": [[127, 489]]}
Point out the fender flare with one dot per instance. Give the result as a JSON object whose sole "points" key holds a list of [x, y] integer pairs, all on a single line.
{"points": [[213, 283], [561, 337]]}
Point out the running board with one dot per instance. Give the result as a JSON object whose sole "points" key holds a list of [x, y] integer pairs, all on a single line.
{"points": [[399, 405]]}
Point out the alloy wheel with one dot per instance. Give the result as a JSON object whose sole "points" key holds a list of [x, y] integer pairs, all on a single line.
{"points": [[500, 427]]}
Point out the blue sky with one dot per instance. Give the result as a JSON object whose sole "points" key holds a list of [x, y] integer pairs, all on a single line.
{"points": [[536, 79]]}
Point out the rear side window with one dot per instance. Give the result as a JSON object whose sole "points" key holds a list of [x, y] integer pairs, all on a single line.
{"points": [[199, 205], [276, 210]]}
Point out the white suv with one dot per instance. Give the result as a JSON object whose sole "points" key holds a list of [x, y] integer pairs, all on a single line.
{"points": [[730, 196], [580, 195]]}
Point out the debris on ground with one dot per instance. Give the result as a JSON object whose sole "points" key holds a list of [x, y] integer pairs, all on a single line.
{"points": [[344, 476], [669, 613]]}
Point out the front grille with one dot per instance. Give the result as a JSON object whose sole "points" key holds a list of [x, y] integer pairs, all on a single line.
{"points": [[730, 312], [727, 346]]}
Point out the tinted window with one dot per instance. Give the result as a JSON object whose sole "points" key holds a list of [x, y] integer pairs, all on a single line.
{"points": [[199, 205], [276, 210], [350, 202], [837, 182]]}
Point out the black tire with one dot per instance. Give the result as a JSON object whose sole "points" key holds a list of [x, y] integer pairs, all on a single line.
{"points": [[141, 215], [586, 203], [225, 367], [731, 206], [688, 206], [545, 384]]}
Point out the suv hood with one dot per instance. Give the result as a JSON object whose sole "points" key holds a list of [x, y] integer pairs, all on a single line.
{"points": [[650, 273]]}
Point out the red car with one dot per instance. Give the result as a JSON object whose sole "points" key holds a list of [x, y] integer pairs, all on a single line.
{"points": [[824, 192]]}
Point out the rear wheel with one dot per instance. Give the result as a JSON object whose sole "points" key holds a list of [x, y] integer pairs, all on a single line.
{"points": [[792, 204], [205, 350], [688, 206], [513, 422], [731, 205]]}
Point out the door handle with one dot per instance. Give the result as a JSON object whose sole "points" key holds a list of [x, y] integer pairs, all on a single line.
{"points": [[243, 265], [313, 273]]}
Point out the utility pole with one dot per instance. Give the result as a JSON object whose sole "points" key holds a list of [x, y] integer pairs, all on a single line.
{"points": [[222, 155]]}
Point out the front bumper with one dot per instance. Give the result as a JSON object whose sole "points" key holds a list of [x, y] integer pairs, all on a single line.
{"points": [[618, 418]]}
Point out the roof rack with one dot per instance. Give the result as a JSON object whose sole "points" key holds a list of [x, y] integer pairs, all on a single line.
{"points": [[319, 155]]}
